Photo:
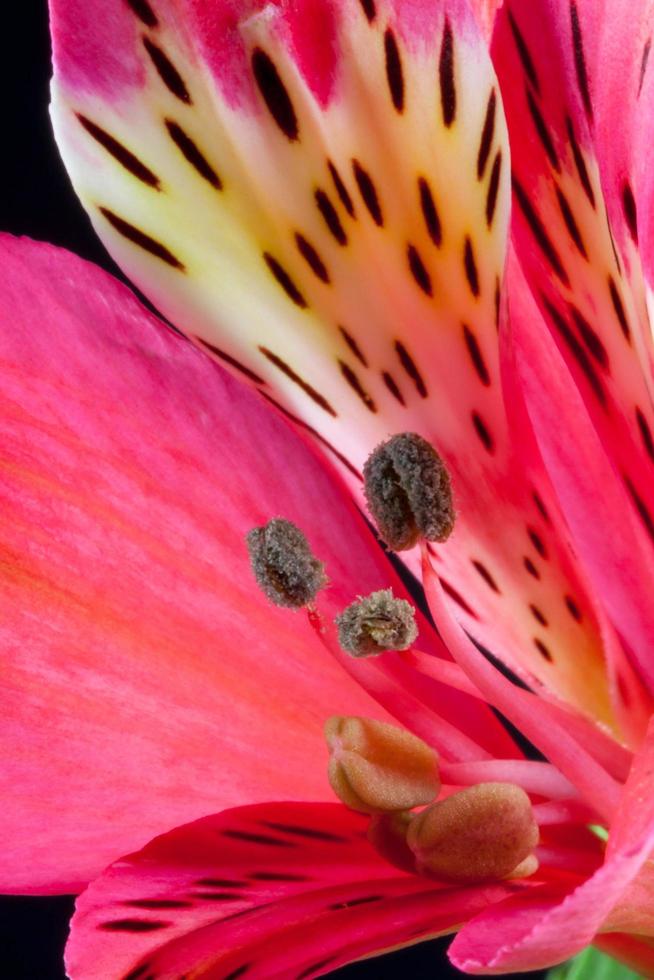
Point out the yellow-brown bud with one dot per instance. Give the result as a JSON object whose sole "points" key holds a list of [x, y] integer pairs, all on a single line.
{"points": [[483, 832], [377, 767]]}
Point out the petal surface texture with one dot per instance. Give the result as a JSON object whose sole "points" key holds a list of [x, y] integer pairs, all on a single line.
{"points": [[146, 680], [320, 192], [281, 890]]}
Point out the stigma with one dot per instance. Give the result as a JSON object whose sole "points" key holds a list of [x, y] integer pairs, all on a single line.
{"points": [[284, 566], [408, 492]]}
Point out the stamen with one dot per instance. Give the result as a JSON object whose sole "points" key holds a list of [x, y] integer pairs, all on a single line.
{"points": [[284, 565], [408, 491], [484, 832], [377, 623], [376, 767]]}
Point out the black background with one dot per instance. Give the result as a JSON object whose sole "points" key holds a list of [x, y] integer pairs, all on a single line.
{"points": [[37, 200]]}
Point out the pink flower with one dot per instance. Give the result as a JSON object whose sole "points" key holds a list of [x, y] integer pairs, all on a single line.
{"points": [[318, 194]]}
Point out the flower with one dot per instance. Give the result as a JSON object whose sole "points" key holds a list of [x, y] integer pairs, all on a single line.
{"points": [[319, 195]]}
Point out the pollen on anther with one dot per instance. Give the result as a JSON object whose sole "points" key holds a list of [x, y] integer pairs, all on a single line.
{"points": [[376, 623], [283, 564], [408, 492]]}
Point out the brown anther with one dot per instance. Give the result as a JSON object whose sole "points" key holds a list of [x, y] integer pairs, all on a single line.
{"points": [[284, 565], [377, 623], [376, 767], [408, 491], [484, 832]]}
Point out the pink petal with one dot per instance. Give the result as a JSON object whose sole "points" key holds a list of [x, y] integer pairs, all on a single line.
{"points": [[282, 889], [147, 681], [382, 315], [547, 926]]}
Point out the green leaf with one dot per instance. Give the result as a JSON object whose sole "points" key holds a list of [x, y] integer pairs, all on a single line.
{"points": [[592, 965]]}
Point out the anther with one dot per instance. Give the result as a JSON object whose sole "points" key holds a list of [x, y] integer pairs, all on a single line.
{"points": [[377, 623], [283, 564], [408, 491], [377, 767], [484, 832]]}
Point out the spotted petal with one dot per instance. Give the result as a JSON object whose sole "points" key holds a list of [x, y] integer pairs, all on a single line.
{"points": [[146, 680], [319, 192], [277, 890]]}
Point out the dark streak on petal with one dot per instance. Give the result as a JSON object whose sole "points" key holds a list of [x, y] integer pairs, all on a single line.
{"points": [[238, 972], [643, 63], [368, 192], [487, 134], [542, 510], [411, 369], [538, 231], [576, 349], [538, 615], [144, 12], [629, 209], [285, 281], [486, 575], [641, 507], [308, 833], [138, 237], [570, 223], [218, 896], [543, 650], [274, 94], [493, 188], [157, 903], [470, 267], [418, 270], [311, 257], [390, 383], [429, 212], [330, 216], [167, 71], [300, 382], [619, 309], [220, 883], [537, 542], [458, 598], [530, 567], [314, 968], [580, 61], [125, 157], [580, 163], [590, 338], [446, 76], [278, 876], [350, 903], [354, 347], [192, 154], [542, 131], [476, 356], [353, 380], [645, 433], [524, 53], [573, 608], [394, 73], [134, 925], [228, 359], [369, 9], [483, 432], [251, 837], [341, 189]]}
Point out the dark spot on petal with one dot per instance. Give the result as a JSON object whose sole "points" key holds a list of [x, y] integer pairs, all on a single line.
{"points": [[220, 883], [394, 73], [629, 209], [576, 349], [493, 188], [470, 266], [352, 902], [524, 53], [538, 615], [446, 76], [418, 270], [537, 542], [311, 257], [314, 968], [330, 216], [369, 9], [228, 359], [570, 222], [391, 384], [296, 379], [476, 356], [355, 384], [134, 925], [192, 154], [542, 649], [238, 972], [542, 131], [580, 163], [643, 63], [281, 876], [308, 833], [538, 231], [429, 212], [486, 575], [580, 60], [251, 837], [274, 94], [368, 192], [218, 896], [530, 567], [641, 507], [167, 71], [354, 347], [573, 608], [645, 433], [483, 432], [409, 366], [457, 597], [619, 309], [138, 237], [157, 903], [341, 189], [487, 134], [125, 157], [285, 281], [536, 497], [590, 338], [144, 12]]}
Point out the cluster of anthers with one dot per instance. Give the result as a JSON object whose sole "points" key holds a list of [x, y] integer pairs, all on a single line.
{"points": [[483, 832]]}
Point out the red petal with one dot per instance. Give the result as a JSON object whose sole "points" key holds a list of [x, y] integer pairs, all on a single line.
{"points": [[275, 890]]}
